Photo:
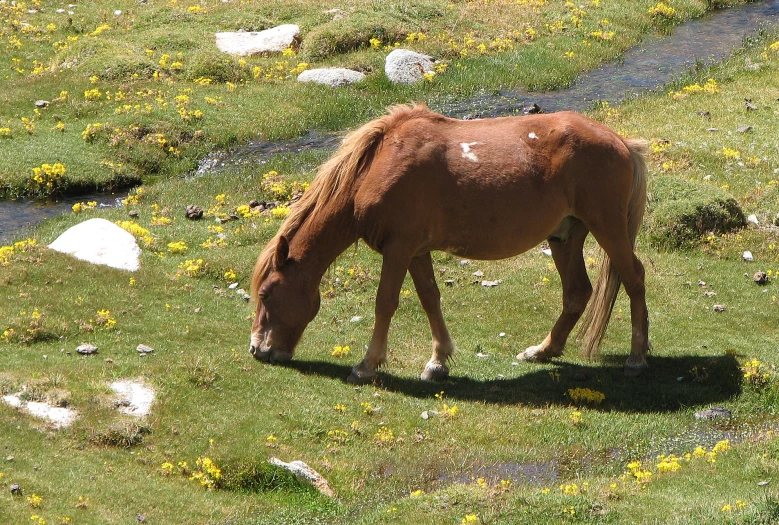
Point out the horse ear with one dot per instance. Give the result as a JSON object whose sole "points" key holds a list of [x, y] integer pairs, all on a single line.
{"points": [[282, 253]]}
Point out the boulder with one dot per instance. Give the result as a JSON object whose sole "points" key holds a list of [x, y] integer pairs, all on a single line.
{"points": [[99, 241], [243, 43], [331, 76], [403, 66]]}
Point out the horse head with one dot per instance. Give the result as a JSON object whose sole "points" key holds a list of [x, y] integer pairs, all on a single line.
{"points": [[287, 300]]}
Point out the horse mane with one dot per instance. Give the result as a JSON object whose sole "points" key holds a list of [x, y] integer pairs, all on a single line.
{"points": [[336, 179]]}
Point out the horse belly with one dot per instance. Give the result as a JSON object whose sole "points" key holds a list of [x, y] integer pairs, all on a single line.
{"points": [[500, 230]]}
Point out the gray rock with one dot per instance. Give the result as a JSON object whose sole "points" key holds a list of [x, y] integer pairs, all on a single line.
{"points": [[760, 278], [331, 76], [143, 349], [714, 413], [16, 489], [99, 241], [274, 40], [403, 66], [42, 103], [86, 349], [194, 212], [743, 129], [719, 307]]}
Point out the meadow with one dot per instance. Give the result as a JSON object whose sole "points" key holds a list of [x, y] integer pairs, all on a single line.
{"points": [[501, 441]]}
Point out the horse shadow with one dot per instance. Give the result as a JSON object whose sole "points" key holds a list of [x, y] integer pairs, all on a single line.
{"points": [[670, 384]]}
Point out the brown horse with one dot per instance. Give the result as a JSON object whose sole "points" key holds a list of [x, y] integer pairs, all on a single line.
{"points": [[414, 181]]}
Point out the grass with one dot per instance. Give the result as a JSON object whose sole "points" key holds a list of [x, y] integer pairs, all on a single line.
{"points": [[562, 461], [162, 96]]}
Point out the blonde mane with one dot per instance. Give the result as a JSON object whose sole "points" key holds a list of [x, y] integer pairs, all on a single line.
{"points": [[335, 179]]}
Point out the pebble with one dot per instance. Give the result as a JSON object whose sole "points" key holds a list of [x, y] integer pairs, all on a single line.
{"points": [[194, 212], [719, 307], [743, 129], [86, 349], [464, 262], [747, 256], [243, 295], [762, 483], [41, 103], [233, 286], [753, 219], [16, 489], [502, 334], [356, 319], [760, 278], [478, 273], [714, 413], [143, 349], [491, 284], [133, 214], [547, 252], [449, 282]]}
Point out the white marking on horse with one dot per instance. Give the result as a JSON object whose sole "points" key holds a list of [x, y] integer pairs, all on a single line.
{"points": [[532, 136], [467, 153]]}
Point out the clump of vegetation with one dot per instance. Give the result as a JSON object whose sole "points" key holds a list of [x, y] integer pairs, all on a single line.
{"points": [[681, 212], [125, 434], [258, 476], [352, 32]]}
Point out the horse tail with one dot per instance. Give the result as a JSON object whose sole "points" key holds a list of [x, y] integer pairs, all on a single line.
{"points": [[335, 180], [593, 326]]}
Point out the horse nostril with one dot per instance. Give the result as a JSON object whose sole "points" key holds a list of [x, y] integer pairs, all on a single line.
{"points": [[253, 350]]}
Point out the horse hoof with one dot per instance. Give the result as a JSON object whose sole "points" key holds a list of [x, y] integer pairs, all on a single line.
{"points": [[635, 370], [357, 378], [435, 372]]}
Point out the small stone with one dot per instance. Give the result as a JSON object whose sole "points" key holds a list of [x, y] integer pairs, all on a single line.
{"points": [[760, 278], [719, 307], [762, 483], [194, 212], [141, 518], [491, 284], [109, 360], [743, 129], [748, 105], [709, 293], [753, 220], [502, 334], [9, 458], [233, 286], [466, 261], [118, 12], [403, 66], [481, 355], [704, 114], [533, 109], [547, 252], [42, 103], [143, 349], [243, 295], [133, 213], [449, 282], [86, 349], [16, 489], [254, 203], [714, 413], [356, 319], [747, 256], [712, 130], [478, 273]]}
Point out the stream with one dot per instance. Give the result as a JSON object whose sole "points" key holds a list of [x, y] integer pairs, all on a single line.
{"points": [[647, 67]]}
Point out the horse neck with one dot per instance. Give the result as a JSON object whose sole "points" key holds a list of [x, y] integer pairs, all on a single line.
{"points": [[319, 241]]}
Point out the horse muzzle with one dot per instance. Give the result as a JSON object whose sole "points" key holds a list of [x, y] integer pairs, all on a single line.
{"points": [[269, 354]]}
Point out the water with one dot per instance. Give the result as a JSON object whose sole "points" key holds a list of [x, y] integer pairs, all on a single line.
{"points": [[645, 68], [19, 215]]}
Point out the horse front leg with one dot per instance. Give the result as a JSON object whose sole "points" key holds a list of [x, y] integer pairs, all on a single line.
{"points": [[421, 270], [393, 271]]}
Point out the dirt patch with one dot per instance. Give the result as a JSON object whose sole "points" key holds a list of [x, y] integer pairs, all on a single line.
{"points": [[56, 417]]}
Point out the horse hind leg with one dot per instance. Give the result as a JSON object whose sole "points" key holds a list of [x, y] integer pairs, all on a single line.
{"points": [[569, 260], [421, 270], [631, 272]]}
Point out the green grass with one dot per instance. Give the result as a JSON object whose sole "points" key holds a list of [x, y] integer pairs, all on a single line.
{"points": [[138, 63], [514, 422]]}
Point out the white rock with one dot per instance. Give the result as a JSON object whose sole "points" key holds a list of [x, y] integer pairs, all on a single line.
{"points": [[305, 473], [58, 417], [406, 67], [491, 284], [331, 76], [747, 256], [478, 273], [547, 252], [274, 40], [753, 219], [356, 319], [100, 242], [13, 401], [118, 12], [135, 397]]}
